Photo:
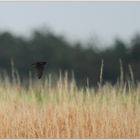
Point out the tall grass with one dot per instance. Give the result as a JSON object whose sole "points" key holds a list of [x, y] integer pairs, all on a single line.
{"points": [[60, 109]]}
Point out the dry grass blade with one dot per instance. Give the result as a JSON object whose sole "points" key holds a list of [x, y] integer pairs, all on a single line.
{"points": [[101, 73]]}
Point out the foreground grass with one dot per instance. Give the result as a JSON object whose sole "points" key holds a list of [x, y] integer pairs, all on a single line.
{"points": [[62, 110]]}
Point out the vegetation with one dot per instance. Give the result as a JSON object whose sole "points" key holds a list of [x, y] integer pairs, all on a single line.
{"points": [[59, 109], [56, 106], [83, 60]]}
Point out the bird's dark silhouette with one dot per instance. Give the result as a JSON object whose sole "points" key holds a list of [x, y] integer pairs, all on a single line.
{"points": [[39, 67]]}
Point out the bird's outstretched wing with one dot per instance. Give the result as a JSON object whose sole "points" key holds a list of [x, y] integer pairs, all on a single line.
{"points": [[39, 70], [39, 67]]}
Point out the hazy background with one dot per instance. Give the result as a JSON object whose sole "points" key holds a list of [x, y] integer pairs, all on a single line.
{"points": [[77, 20], [73, 36]]}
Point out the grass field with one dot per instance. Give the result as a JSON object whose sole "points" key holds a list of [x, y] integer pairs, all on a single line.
{"points": [[62, 110]]}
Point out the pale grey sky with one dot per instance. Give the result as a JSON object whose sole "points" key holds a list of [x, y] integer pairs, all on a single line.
{"points": [[76, 20]]}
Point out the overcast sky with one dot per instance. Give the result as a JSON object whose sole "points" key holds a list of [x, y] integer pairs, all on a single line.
{"points": [[76, 20]]}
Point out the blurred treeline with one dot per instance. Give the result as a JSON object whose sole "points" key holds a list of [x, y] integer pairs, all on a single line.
{"points": [[83, 60]]}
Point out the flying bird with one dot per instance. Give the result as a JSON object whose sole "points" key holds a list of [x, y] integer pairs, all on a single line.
{"points": [[39, 66]]}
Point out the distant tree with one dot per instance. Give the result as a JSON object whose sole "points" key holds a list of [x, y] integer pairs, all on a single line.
{"points": [[135, 48], [83, 59]]}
